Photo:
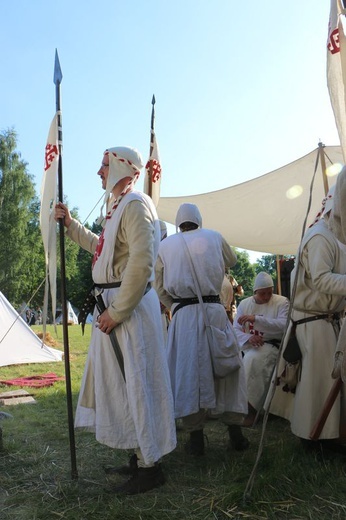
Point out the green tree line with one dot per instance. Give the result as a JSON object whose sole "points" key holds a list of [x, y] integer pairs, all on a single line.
{"points": [[22, 268]]}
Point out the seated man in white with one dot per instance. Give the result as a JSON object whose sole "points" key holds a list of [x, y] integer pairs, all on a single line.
{"points": [[259, 325]]}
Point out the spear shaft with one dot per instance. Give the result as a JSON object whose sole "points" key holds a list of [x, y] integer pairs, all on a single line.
{"points": [[57, 80]]}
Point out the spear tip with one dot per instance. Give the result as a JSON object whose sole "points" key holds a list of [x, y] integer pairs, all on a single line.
{"points": [[153, 101], [57, 69]]}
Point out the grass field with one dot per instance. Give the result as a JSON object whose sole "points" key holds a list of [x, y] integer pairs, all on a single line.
{"points": [[35, 467]]}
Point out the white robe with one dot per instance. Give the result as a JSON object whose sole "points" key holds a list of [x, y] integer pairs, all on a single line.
{"points": [[187, 350], [259, 362], [321, 288], [138, 413]]}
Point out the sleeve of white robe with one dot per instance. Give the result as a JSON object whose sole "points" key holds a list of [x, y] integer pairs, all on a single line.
{"points": [[242, 336], [229, 256], [274, 325], [319, 260]]}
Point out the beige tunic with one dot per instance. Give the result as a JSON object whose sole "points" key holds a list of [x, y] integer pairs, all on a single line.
{"points": [[138, 413], [226, 293], [321, 288]]}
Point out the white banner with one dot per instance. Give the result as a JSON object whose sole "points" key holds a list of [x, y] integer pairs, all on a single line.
{"points": [[153, 166], [47, 222], [336, 67]]}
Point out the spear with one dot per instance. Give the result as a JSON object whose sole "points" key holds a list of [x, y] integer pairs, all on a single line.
{"points": [[152, 136], [57, 81]]}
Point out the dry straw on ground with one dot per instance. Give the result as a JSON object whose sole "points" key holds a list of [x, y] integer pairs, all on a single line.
{"points": [[48, 339]]}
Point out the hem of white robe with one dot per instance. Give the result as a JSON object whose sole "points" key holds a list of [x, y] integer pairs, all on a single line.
{"points": [[169, 447]]}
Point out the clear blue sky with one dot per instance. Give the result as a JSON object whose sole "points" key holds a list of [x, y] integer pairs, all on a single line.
{"points": [[240, 87]]}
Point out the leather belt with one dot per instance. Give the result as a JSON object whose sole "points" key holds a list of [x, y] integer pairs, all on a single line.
{"points": [[275, 342], [90, 301], [335, 316], [214, 298]]}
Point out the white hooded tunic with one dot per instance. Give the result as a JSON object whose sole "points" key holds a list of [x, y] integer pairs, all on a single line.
{"points": [[138, 413], [321, 288], [189, 361]]}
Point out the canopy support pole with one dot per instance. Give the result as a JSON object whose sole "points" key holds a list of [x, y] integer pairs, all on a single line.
{"points": [[323, 166]]}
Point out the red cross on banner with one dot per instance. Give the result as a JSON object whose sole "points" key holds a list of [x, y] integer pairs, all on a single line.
{"points": [[153, 166], [50, 155]]}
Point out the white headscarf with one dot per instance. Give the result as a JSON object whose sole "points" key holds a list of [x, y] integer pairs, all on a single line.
{"points": [[337, 219], [188, 213], [123, 162], [327, 204]]}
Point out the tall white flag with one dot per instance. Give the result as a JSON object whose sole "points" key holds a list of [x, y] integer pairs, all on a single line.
{"points": [[336, 67], [49, 189], [152, 181]]}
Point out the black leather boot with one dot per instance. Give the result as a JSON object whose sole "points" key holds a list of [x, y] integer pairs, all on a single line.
{"points": [[195, 446], [237, 439], [128, 469], [310, 446], [144, 480]]}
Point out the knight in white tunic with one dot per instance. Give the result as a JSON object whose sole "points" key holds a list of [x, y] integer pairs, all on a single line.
{"points": [[136, 413], [318, 306], [195, 389], [260, 324]]}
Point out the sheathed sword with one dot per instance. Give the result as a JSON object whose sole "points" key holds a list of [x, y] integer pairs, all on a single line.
{"points": [[112, 336]]}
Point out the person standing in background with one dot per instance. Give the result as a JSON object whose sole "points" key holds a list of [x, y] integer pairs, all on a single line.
{"points": [[196, 391]]}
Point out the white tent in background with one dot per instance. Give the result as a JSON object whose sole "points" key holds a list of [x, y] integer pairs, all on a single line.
{"points": [[71, 316], [267, 213], [18, 343]]}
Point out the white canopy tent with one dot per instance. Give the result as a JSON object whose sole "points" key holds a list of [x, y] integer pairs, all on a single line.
{"points": [[18, 343], [267, 213]]}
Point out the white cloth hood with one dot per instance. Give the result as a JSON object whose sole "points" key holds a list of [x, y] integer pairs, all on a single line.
{"points": [[188, 213], [337, 219]]}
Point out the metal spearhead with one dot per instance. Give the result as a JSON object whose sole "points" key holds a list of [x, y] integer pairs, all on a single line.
{"points": [[57, 70]]}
